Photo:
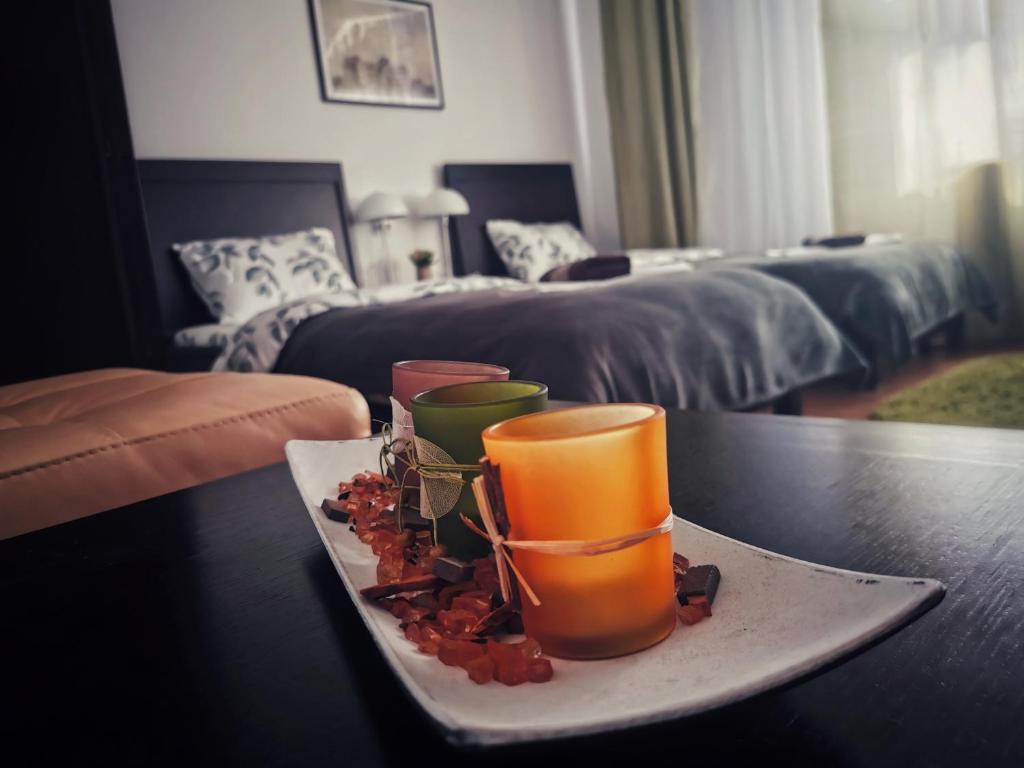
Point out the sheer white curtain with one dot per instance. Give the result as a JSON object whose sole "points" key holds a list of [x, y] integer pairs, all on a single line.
{"points": [[911, 96], [1007, 22], [760, 123], [926, 106]]}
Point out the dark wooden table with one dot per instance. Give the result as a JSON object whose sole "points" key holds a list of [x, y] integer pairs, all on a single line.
{"points": [[209, 626]]}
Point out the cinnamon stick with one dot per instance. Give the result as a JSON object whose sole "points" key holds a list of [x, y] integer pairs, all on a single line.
{"points": [[495, 494], [491, 474]]}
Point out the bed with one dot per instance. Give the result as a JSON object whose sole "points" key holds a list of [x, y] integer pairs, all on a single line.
{"points": [[732, 339], [203, 199], [887, 299]]}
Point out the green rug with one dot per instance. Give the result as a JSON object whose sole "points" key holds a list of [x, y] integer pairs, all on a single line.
{"points": [[987, 392]]}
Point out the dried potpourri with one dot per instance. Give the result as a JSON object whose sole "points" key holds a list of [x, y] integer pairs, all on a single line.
{"points": [[456, 620], [369, 501]]}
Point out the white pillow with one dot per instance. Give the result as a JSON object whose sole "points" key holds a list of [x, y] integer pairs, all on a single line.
{"points": [[206, 335], [239, 277], [530, 251], [644, 260]]}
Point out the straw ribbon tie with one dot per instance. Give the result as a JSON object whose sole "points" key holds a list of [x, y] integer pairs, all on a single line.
{"points": [[580, 547], [441, 478]]}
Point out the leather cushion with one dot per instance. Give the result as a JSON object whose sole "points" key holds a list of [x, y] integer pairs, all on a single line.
{"points": [[74, 445]]}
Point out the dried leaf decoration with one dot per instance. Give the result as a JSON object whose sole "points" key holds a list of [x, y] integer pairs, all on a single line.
{"points": [[441, 489]]}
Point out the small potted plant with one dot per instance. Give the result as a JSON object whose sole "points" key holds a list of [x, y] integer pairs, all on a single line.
{"points": [[422, 260]]}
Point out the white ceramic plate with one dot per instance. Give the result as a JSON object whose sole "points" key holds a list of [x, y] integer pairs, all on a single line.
{"points": [[776, 619]]}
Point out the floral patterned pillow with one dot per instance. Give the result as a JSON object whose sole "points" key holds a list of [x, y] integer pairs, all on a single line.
{"points": [[206, 335], [239, 277], [530, 251]]}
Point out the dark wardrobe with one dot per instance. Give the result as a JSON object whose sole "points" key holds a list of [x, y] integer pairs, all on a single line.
{"points": [[72, 213]]}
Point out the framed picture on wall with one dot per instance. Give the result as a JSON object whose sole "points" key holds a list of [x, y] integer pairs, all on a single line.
{"points": [[380, 52]]}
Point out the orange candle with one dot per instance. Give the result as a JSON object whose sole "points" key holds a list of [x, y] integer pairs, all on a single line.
{"points": [[586, 473]]}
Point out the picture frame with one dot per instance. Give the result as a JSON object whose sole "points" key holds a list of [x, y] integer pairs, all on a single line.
{"points": [[377, 53]]}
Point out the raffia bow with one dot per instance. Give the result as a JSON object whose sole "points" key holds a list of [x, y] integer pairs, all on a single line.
{"points": [[441, 477], [585, 547]]}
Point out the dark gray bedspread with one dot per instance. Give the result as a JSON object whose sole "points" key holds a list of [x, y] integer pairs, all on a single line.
{"points": [[726, 339], [884, 297]]}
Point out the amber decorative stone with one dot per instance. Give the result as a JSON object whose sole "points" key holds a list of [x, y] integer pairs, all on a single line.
{"points": [[690, 614], [457, 621], [679, 567], [510, 662], [430, 631], [540, 670], [448, 593], [458, 653], [511, 672], [480, 669], [399, 608], [391, 565], [443, 619], [414, 614], [485, 574], [704, 604], [477, 603], [529, 648], [381, 541], [428, 647]]}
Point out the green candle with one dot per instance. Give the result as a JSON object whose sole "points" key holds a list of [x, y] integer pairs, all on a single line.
{"points": [[452, 418]]}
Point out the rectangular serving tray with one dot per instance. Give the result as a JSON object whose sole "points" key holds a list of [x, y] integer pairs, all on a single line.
{"points": [[775, 620]]}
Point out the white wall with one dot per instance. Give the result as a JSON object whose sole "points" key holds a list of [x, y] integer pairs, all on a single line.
{"points": [[237, 79]]}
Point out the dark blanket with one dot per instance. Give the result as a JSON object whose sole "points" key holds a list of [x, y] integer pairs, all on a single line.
{"points": [[884, 297], [702, 340]]}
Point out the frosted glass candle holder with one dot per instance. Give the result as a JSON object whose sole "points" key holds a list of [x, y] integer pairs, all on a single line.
{"points": [[586, 473], [411, 377], [452, 418]]}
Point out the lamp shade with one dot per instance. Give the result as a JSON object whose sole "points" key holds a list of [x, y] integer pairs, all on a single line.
{"points": [[382, 205], [442, 202]]}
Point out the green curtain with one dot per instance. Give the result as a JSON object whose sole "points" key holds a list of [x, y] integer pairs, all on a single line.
{"points": [[649, 109]]}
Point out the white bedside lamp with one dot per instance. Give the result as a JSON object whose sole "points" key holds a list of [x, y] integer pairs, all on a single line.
{"points": [[440, 204], [379, 209]]}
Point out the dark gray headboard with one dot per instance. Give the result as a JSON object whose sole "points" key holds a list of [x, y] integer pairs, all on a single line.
{"points": [[537, 192], [200, 199]]}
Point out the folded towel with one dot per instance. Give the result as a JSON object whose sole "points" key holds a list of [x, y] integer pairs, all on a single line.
{"points": [[834, 241], [846, 241]]}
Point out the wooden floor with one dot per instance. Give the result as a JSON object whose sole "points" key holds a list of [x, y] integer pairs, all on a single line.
{"points": [[839, 401]]}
